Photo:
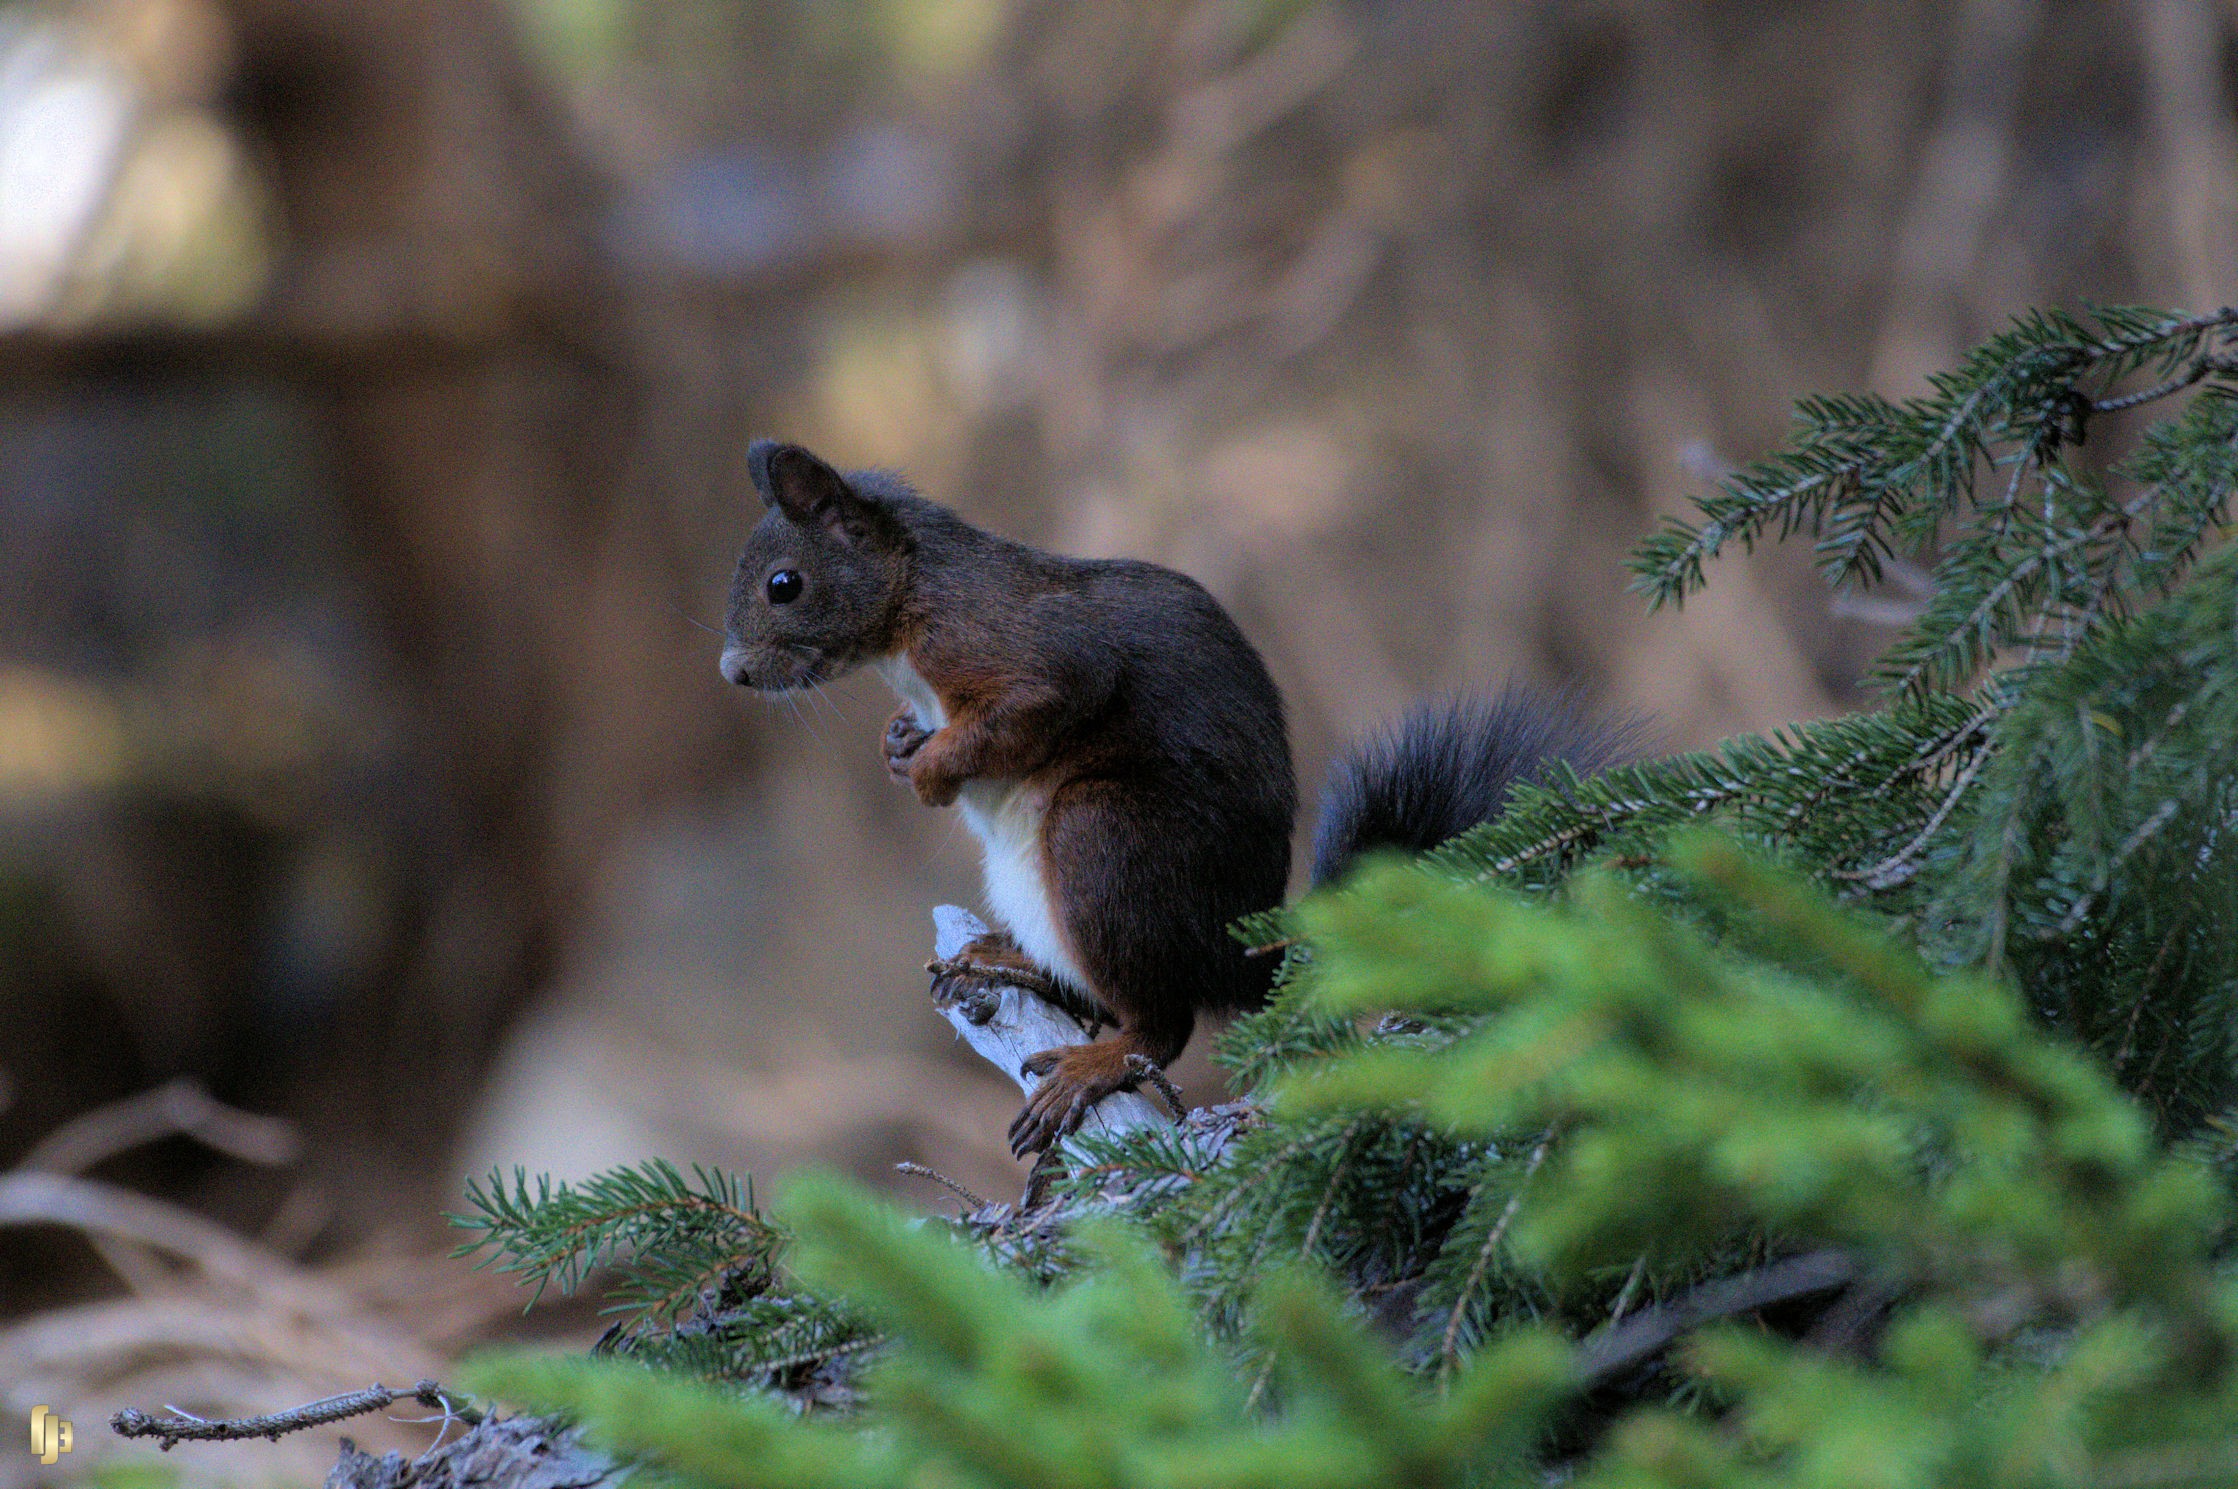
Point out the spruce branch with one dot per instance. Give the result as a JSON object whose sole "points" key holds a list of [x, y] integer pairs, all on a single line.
{"points": [[1866, 477], [2200, 367], [1345, 1150], [1449, 1342], [778, 1342], [675, 1237], [1931, 1040], [1904, 862], [1851, 785]]}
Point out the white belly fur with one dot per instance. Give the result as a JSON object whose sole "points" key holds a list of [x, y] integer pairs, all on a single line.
{"points": [[1006, 818]]}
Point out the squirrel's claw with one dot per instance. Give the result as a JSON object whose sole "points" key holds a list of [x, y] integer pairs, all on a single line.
{"points": [[1053, 1112]]}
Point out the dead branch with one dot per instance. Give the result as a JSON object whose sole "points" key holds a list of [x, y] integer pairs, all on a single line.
{"points": [[921, 1171], [1652, 1330], [1146, 1070], [173, 1430], [89, 1205], [176, 1108], [500, 1453]]}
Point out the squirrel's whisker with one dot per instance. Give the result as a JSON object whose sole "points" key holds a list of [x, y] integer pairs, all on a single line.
{"points": [[691, 619]]}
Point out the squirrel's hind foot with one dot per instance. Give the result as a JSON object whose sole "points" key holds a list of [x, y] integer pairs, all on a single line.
{"points": [[1073, 1079]]}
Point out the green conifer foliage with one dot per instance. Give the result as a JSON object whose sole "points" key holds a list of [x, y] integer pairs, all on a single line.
{"points": [[1107, 1380], [2042, 1301], [2048, 793], [2096, 861], [698, 1270]]}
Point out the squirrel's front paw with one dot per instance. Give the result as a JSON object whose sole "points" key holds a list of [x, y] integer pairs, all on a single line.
{"points": [[904, 738]]}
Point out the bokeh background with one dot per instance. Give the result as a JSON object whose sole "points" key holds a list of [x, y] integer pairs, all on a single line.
{"points": [[374, 382]]}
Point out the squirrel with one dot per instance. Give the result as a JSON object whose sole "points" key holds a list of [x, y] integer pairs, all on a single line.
{"points": [[1113, 741]]}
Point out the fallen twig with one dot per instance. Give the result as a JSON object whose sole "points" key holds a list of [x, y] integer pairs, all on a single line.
{"points": [[921, 1171], [173, 1430], [180, 1106]]}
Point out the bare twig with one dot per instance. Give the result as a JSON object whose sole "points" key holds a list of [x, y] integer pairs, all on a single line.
{"points": [[919, 1170], [1259, 1384], [1146, 1069], [1847, 1325], [1554, 844], [1046, 1167], [450, 1414], [180, 1107], [1631, 1286], [106, 1210], [1329, 1195], [2199, 368], [2161, 817], [1903, 863], [179, 1427]]}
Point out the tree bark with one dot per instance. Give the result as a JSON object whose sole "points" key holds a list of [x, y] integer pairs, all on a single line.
{"points": [[476, 374]]}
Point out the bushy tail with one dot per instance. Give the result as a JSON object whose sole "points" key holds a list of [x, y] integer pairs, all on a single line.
{"points": [[1449, 764]]}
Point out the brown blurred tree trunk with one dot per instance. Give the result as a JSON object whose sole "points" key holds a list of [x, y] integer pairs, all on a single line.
{"points": [[446, 302]]}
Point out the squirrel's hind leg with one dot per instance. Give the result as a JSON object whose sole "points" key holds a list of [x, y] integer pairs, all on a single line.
{"points": [[1144, 891]]}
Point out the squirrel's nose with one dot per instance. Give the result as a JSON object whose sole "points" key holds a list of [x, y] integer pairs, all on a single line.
{"points": [[735, 670]]}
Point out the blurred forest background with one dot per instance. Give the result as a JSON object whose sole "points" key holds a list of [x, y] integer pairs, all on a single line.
{"points": [[374, 382]]}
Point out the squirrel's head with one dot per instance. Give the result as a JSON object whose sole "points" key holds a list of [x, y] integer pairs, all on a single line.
{"points": [[819, 586]]}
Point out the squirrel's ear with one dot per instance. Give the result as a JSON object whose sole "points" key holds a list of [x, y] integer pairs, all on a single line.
{"points": [[788, 476], [807, 490]]}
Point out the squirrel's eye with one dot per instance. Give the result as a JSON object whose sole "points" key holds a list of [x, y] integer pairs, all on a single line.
{"points": [[784, 586]]}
